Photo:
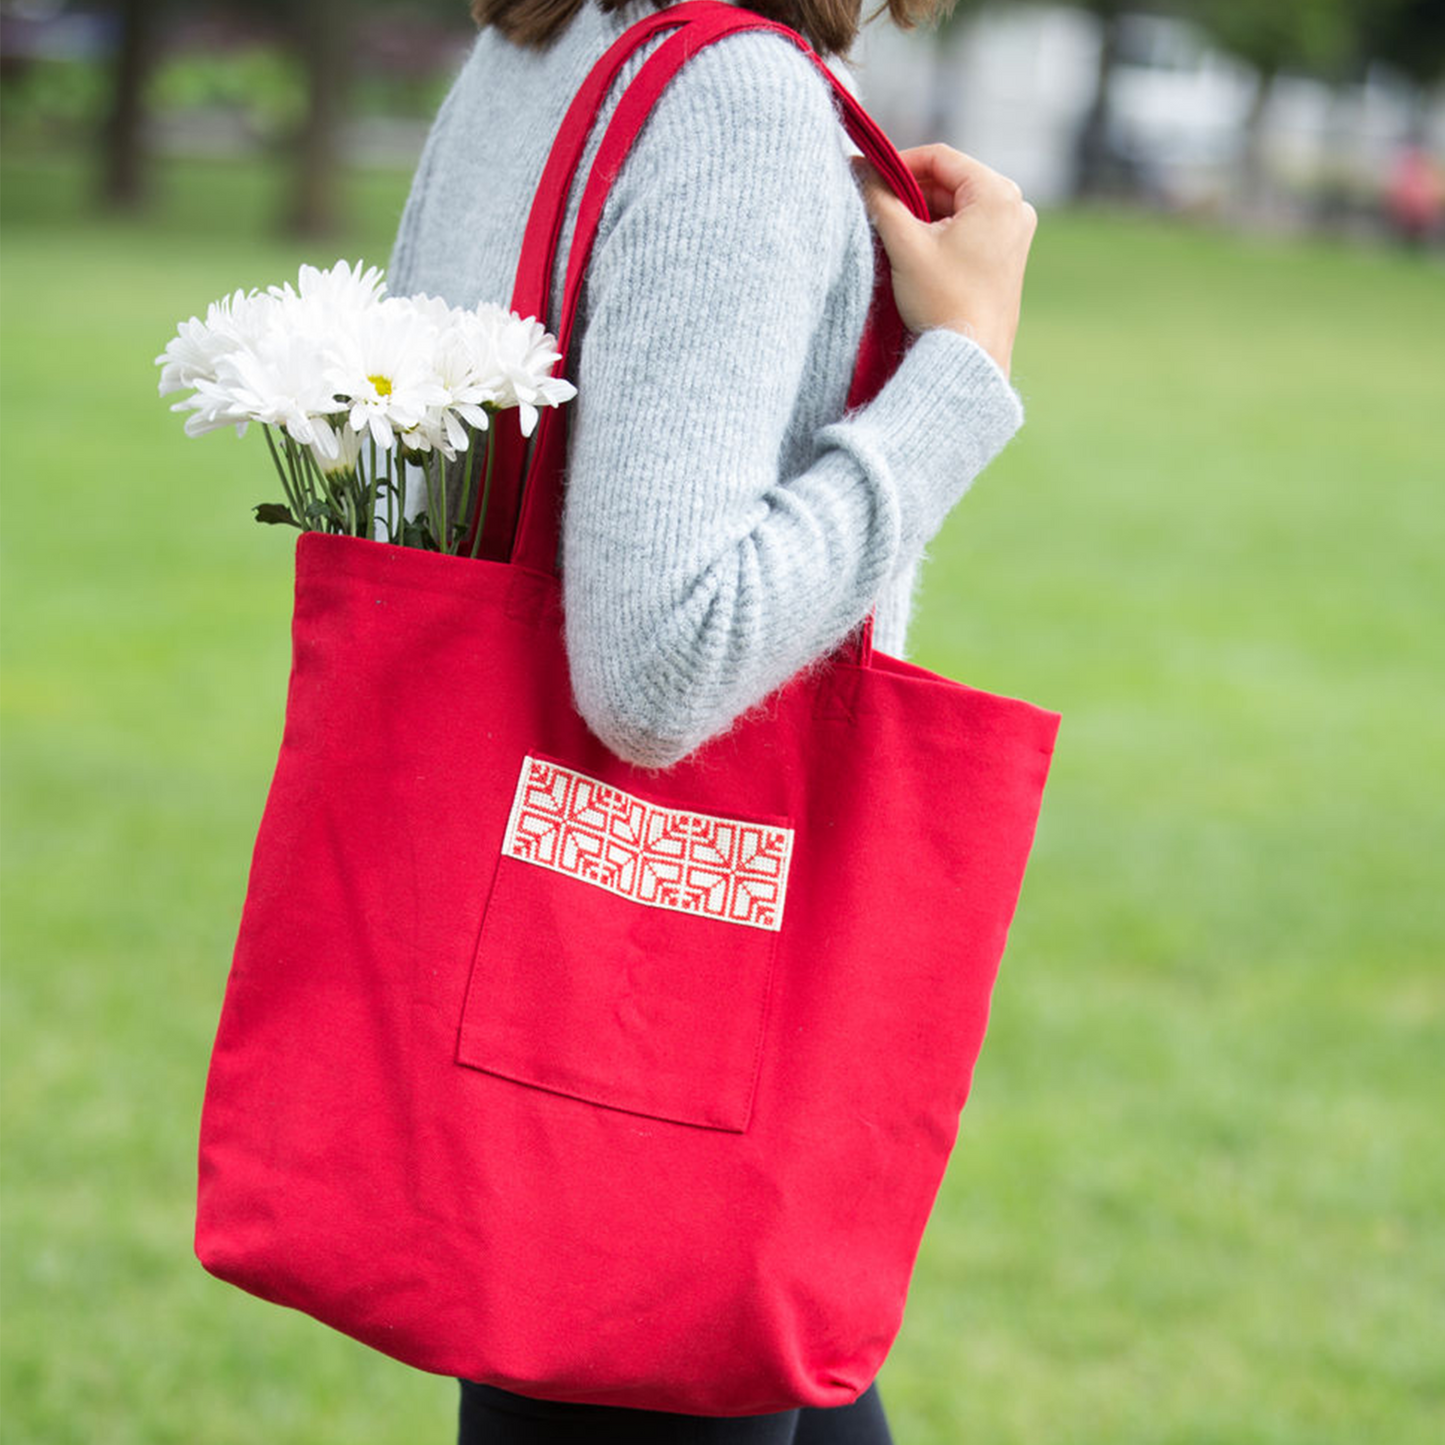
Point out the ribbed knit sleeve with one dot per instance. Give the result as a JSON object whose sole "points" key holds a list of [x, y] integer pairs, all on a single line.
{"points": [[704, 563]]}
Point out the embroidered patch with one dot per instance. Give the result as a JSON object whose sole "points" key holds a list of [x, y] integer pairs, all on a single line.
{"points": [[721, 868]]}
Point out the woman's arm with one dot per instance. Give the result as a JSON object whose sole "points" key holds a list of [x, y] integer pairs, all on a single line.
{"points": [[699, 574]]}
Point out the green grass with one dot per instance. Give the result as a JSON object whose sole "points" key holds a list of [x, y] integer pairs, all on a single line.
{"points": [[1198, 1193]]}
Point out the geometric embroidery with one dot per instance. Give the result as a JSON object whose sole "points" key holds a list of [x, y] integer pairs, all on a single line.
{"points": [[720, 868]]}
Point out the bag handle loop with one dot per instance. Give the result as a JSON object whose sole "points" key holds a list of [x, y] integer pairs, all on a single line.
{"points": [[706, 21], [531, 288]]}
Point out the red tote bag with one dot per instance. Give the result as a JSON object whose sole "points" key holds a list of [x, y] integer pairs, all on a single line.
{"points": [[589, 1082]]}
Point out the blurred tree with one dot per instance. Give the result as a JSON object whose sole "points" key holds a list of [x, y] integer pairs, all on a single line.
{"points": [[122, 138], [320, 31], [1096, 167], [1097, 170], [942, 77], [325, 34], [1318, 37], [1408, 36]]}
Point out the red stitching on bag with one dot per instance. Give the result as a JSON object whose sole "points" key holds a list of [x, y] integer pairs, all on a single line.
{"points": [[723, 868]]}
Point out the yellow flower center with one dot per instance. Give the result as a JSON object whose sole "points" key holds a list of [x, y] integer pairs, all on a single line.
{"points": [[382, 384]]}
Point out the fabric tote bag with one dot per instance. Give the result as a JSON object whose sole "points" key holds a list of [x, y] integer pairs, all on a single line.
{"points": [[594, 1083]]}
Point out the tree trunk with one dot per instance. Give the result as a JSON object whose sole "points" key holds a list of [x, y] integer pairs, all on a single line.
{"points": [[321, 36], [1095, 171], [122, 176], [1253, 182], [1334, 199]]}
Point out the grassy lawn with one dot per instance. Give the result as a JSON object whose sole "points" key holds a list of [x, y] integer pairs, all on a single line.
{"points": [[1198, 1195]]}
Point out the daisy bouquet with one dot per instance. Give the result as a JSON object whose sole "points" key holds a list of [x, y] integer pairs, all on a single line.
{"points": [[373, 407]]}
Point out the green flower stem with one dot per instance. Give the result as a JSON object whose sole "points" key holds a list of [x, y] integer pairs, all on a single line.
{"points": [[376, 486], [467, 474], [441, 525], [361, 490], [431, 496], [292, 500], [433, 465], [350, 503], [486, 490], [323, 497], [297, 477], [346, 502], [291, 474], [375, 503], [396, 489], [306, 469], [335, 489], [366, 490]]}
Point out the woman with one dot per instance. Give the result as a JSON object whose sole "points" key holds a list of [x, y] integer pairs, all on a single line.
{"points": [[726, 524]]}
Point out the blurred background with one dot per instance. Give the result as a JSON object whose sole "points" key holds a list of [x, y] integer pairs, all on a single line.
{"points": [[1198, 1191], [1294, 113]]}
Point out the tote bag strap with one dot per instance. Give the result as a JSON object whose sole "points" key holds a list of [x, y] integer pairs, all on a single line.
{"points": [[884, 334], [531, 287]]}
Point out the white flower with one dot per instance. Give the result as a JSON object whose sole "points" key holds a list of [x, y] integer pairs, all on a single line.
{"points": [[276, 380], [386, 366], [338, 365], [464, 369], [325, 302], [348, 451], [467, 369], [341, 287], [248, 362], [198, 345], [523, 356]]}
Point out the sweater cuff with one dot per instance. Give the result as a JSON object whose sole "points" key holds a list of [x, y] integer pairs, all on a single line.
{"points": [[938, 421]]}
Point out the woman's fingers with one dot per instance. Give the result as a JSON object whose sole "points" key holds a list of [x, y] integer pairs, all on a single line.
{"points": [[965, 268], [941, 173], [950, 179], [890, 215]]}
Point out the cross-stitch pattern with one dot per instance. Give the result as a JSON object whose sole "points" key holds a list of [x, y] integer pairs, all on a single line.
{"points": [[722, 868]]}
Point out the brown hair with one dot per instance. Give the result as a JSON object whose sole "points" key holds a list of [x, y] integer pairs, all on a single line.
{"points": [[829, 26]]}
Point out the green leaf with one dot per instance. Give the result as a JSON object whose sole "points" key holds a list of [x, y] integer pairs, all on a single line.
{"points": [[275, 514], [416, 532]]}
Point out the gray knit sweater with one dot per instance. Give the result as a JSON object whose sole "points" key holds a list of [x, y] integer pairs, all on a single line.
{"points": [[725, 522]]}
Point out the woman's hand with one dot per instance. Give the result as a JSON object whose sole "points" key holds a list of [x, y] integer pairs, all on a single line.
{"points": [[965, 268]]}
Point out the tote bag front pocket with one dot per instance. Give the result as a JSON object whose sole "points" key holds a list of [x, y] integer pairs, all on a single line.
{"points": [[626, 952]]}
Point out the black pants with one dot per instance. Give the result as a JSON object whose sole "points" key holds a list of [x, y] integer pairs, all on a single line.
{"points": [[496, 1417]]}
